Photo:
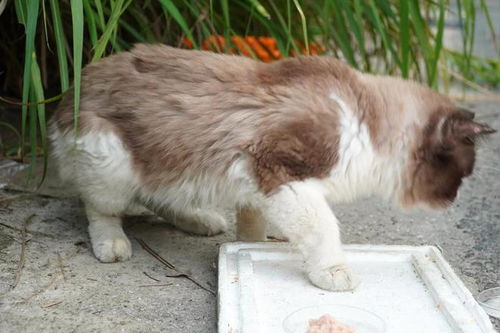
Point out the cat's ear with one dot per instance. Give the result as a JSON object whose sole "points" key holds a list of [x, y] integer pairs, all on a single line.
{"points": [[465, 113], [461, 125]]}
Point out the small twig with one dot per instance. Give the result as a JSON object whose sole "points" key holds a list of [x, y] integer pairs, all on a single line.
{"points": [[11, 227], [4, 200], [48, 305], [154, 254], [169, 265], [61, 266], [475, 97], [156, 285], [30, 193], [187, 276], [149, 276], [471, 84], [20, 263], [43, 288], [27, 230]]}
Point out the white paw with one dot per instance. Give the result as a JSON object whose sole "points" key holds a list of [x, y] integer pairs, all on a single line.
{"points": [[202, 223], [112, 250], [336, 278]]}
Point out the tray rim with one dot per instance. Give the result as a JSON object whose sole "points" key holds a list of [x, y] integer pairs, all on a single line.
{"points": [[417, 252]]}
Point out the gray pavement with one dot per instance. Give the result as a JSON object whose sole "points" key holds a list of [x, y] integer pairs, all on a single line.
{"points": [[63, 288]]}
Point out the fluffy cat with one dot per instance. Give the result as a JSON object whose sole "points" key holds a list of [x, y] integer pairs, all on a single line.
{"points": [[186, 133]]}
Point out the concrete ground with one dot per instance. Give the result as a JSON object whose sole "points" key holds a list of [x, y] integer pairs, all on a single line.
{"points": [[63, 288]]}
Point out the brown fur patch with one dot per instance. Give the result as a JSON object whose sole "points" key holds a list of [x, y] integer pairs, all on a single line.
{"points": [[445, 156], [184, 113], [296, 151]]}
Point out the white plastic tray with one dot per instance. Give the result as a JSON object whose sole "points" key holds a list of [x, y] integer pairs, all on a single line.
{"points": [[412, 288]]}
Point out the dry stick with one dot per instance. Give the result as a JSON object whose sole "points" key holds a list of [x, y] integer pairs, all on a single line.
{"points": [[48, 284], [43, 288], [149, 276], [48, 305], [27, 230], [20, 263], [30, 193], [169, 265], [61, 266], [12, 198], [154, 254], [473, 85], [156, 285]]}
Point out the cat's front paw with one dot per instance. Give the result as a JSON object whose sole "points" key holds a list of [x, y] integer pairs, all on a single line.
{"points": [[113, 250], [336, 278]]}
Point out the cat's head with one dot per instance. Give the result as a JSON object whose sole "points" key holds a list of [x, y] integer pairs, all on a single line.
{"points": [[443, 156]]}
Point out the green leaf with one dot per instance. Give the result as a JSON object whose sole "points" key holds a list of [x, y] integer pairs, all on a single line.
{"points": [[383, 31], [40, 114], [486, 13], [77, 19], [176, 15], [30, 28], [60, 45], [32, 136], [422, 36], [103, 41], [342, 35], [260, 8], [90, 18], [438, 45], [404, 37]]}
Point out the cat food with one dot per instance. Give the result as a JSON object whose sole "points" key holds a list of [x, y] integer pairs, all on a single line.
{"points": [[328, 324]]}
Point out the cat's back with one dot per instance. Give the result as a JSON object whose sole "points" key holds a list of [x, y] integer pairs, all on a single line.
{"points": [[148, 80]]}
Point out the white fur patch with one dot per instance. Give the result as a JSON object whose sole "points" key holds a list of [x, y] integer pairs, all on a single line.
{"points": [[101, 168], [360, 170]]}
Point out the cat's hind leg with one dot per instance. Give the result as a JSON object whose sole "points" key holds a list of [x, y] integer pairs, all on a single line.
{"points": [[100, 167], [203, 222], [302, 214], [250, 224]]}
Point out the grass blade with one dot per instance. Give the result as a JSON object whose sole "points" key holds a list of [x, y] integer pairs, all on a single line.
{"points": [[343, 35], [486, 13], [382, 30], [90, 17], [40, 112], [103, 41], [404, 37], [77, 19], [30, 28], [100, 14], [176, 15], [422, 36], [60, 45], [304, 25], [260, 8], [32, 136], [21, 10], [438, 45]]}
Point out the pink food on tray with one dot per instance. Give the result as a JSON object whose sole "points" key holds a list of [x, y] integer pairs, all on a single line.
{"points": [[328, 324]]}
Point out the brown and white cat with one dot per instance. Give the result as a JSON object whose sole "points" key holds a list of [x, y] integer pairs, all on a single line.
{"points": [[187, 133]]}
